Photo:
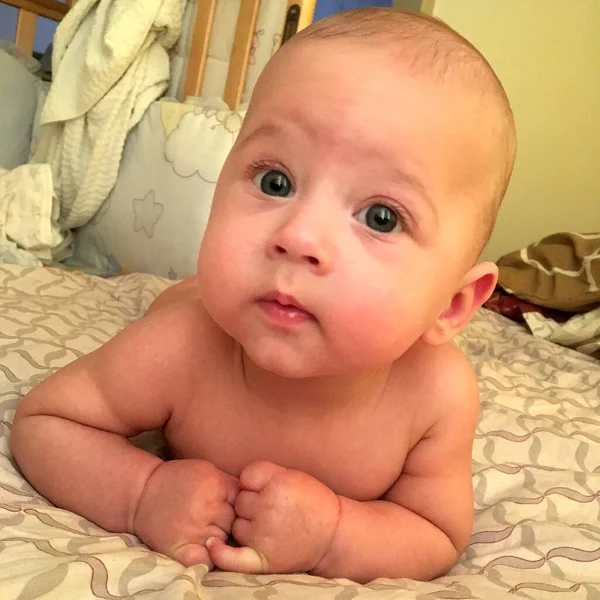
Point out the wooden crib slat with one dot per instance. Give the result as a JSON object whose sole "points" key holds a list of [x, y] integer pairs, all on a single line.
{"points": [[199, 47], [240, 53], [46, 8], [25, 33]]}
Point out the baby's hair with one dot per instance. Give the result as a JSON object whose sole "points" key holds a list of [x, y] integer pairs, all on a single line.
{"points": [[428, 46]]}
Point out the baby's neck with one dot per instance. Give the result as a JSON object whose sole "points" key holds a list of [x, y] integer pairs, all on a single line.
{"points": [[313, 397]]}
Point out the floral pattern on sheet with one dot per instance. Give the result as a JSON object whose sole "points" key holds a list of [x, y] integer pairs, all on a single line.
{"points": [[536, 468]]}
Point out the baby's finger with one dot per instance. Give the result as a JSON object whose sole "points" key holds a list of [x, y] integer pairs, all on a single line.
{"points": [[214, 531], [225, 517], [246, 504], [240, 560], [243, 533], [256, 475], [232, 489], [193, 554]]}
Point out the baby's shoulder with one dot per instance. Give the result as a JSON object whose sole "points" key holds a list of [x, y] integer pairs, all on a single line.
{"points": [[441, 381], [187, 329], [455, 382]]}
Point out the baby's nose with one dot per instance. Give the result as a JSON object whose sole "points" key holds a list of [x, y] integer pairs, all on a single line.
{"points": [[304, 243]]}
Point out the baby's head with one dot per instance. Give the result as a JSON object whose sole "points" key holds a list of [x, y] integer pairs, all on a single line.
{"points": [[365, 182]]}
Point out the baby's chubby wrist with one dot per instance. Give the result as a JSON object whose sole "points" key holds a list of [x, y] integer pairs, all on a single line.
{"points": [[327, 559], [145, 483]]}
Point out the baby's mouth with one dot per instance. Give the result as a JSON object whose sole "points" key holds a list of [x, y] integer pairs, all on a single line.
{"points": [[284, 309]]}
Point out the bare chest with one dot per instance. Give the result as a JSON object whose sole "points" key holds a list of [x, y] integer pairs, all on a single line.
{"points": [[357, 458]]}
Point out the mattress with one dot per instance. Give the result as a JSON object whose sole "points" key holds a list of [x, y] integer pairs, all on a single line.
{"points": [[536, 467]]}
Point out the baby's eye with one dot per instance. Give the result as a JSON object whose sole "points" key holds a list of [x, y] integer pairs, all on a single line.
{"points": [[378, 217], [273, 183]]}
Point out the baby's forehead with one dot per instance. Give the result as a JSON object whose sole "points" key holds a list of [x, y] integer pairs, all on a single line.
{"points": [[422, 45], [353, 96], [329, 82]]}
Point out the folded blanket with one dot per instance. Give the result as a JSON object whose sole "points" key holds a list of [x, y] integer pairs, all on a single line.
{"points": [[110, 62]]}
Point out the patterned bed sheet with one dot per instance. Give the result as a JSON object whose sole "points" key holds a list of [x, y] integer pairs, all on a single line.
{"points": [[536, 467]]}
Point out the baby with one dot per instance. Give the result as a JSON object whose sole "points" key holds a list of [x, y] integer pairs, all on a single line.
{"points": [[313, 403]]}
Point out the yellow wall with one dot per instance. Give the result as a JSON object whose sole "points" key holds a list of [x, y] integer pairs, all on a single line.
{"points": [[547, 54]]}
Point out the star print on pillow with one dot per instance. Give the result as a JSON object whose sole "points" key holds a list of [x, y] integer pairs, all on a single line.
{"points": [[147, 213]]}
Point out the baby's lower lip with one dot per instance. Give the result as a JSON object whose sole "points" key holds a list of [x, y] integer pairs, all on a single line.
{"points": [[282, 314]]}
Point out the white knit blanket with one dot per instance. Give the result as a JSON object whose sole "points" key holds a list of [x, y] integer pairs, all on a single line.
{"points": [[110, 62]]}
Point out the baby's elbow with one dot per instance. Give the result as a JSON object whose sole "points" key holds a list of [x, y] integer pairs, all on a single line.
{"points": [[435, 563], [443, 566], [18, 434], [457, 535], [460, 536], [462, 544], [30, 405]]}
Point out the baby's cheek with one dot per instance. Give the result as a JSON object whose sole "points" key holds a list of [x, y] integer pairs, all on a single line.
{"points": [[363, 331], [221, 263], [376, 331]]}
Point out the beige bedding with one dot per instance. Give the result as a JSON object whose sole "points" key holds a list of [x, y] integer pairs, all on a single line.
{"points": [[536, 468]]}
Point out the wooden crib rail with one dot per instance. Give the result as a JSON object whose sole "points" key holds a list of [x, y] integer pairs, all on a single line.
{"points": [[28, 12], [240, 52], [199, 47], [299, 15]]}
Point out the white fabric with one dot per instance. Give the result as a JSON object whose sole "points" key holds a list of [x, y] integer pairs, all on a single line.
{"points": [[180, 52], [581, 331], [28, 229], [30, 63], [18, 101], [266, 41], [110, 62], [154, 218], [219, 48]]}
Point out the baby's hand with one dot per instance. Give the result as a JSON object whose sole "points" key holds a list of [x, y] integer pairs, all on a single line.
{"points": [[184, 503], [286, 521]]}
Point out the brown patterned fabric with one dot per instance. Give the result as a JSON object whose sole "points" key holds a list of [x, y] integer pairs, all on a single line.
{"points": [[562, 271], [536, 468]]}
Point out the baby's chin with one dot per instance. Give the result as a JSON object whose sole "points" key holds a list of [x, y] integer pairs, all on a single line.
{"points": [[302, 364], [284, 365]]}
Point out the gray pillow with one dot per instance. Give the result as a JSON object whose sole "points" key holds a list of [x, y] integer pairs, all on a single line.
{"points": [[18, 102]]}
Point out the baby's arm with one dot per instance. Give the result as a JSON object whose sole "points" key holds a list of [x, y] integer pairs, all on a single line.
{"points": [[70, 432], [424, 522]]}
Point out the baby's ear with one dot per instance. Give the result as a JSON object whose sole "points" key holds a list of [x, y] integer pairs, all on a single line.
{"points": [[477, 286]]}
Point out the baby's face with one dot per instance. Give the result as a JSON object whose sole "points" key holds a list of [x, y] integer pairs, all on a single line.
{"points": [[344, 213]]}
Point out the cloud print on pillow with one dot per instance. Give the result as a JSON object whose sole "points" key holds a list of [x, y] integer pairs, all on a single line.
{"points": [[207, 124]]}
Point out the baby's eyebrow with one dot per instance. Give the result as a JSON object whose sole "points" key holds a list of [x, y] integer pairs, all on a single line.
{"points": [[412, 181], [269, 129], [284, 126]]}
